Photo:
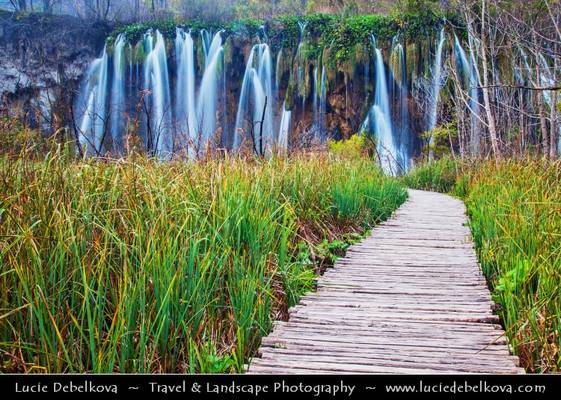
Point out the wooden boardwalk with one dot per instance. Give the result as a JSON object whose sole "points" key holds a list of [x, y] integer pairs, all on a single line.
{"points": [[411, 298]]}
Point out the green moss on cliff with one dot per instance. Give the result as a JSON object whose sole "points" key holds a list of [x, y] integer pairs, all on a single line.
{"points": [[341, 34]]}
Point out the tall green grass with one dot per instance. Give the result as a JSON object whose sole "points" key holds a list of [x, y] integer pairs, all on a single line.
{"points": [[515, 214], [142, 266], [515, 217], [438, 176]]}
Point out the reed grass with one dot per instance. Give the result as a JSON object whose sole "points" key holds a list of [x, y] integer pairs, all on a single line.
{"points": [[515, 217], [142, 266], [438, 176]]}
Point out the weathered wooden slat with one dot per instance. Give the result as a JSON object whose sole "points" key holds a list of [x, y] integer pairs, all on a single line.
{"points": [[403, 316], [403, 362], [401, 281], [464, 342], [389, 348], [389, 323], [341, 295], [397, 333], [336, 368], [409, 299], [393, 352]]}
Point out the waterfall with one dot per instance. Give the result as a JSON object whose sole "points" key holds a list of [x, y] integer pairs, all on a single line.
{"points": [[436, 82], [131, 56], [547, 80], [117, 105], [185, 107], [196, 116], [468, 71], [266, 77], [278, 68], [462, 63], [195, 110], [240, 129], [315, 101], [215, 47], [156, 80], [366, 76], [526, 64], [256, 87], [302, 30], [260, 132], [378, 122], [319, 97], [386, 145], [474, 94], [322, 103], [205, 40], [207, 101], [91, 105], [284, 129], [300, 70], [264, 37], [401, 93], [436, 85]]}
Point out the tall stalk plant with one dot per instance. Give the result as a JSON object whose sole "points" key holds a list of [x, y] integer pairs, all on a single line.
{"points": [[142, 266]]}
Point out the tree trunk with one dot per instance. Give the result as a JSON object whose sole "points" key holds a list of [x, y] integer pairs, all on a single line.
{"points": [[554, 123], [522, 123], [541, 111], [488, 110], [553, 127]]}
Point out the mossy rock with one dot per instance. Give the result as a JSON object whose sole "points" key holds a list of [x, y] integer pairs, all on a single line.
{"points": [[322, 30]]}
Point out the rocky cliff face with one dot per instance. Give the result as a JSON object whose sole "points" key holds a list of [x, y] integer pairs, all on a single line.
{"points": [[42, 59]]}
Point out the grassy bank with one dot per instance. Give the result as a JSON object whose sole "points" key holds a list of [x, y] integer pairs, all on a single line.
{"points": [[141, 266], [515, 215]]}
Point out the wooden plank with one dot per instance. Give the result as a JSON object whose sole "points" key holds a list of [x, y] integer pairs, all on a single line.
{"points": [[343, 346], [351, 320], [459, 342], [393, 352], [389, 361], [487, 337]]}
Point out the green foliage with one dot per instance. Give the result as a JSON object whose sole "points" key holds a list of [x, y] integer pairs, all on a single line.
{"points": [[439, 176], [135, 32], [438, 140], [247, 26], [318, 28], [515, 217], [357, 146], [356, 193], [332, 250], [18, 140], [340, 33], [143, 266]]}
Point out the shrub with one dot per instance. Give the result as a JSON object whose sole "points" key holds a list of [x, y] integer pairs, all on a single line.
{"points": [[439, 176], [356, 147]]}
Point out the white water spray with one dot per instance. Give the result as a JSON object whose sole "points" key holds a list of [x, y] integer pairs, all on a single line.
{"points": [[117, 105], [156, 80], [185, 107], [91, 106], [256, 88]]}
